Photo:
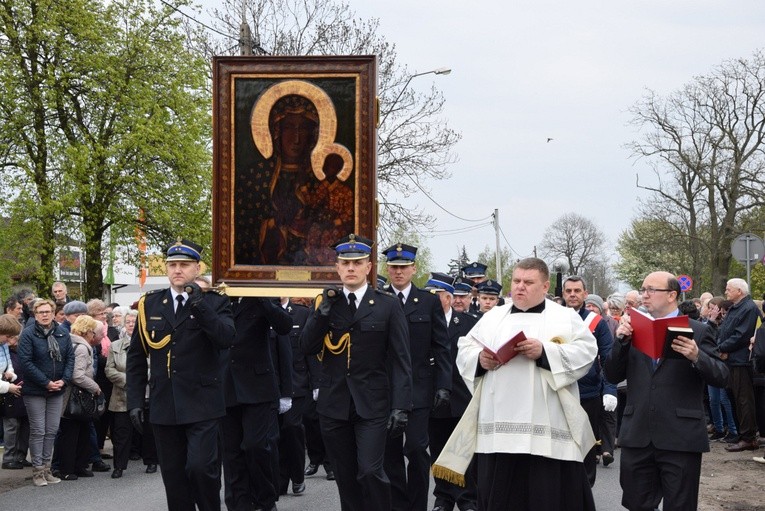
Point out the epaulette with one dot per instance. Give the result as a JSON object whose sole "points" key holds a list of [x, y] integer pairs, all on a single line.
{"points": [[151, 292], [384, 292]]}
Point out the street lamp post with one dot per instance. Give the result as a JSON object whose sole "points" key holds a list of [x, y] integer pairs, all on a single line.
{"points": [[439, 71]]}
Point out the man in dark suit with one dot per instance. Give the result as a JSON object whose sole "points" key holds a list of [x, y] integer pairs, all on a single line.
{"points": [[663, 430], [180, 332], [365, 387], [252, 403], [444, 419], [431, 379]]}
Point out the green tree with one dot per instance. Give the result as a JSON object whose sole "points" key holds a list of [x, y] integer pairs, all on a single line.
{"points": [[104, 113]]}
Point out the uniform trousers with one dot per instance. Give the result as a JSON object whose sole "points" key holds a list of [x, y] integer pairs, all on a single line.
{"points": [[357, 448], [648, 475], [592, 406], [313, 441], [189, 460], [291, 446], [410, 481], [524, 482], [122, 434], [446, 493], [250, 480]]}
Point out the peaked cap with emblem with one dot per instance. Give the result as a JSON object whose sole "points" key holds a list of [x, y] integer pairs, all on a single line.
{"points": [[184, 250], [463, 286], [353, 247], [400, 254], [440, 282], [490, 287], [474, 270]]}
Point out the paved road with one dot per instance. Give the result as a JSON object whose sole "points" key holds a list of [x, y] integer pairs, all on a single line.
{"points": [[137, 491]]}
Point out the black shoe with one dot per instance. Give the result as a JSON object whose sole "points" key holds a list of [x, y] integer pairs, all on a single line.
{"points": [[100, 466], [731, 439], [608, 458], [13, 465], [717, 435], [151, 468], [84, 473], [56, 473], [330, 475], [298, 488], [311, 469], [116, 473], [68, 477], [26, 463], [106, 456]]}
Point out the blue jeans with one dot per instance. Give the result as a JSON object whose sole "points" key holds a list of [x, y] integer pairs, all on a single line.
{"points": [[719, 404]]}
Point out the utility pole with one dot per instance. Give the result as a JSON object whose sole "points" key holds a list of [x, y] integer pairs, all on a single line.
{"points": [[497, 255], [245, 36]]}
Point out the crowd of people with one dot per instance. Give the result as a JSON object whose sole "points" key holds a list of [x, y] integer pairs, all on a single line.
{"points": [[383, 385]]}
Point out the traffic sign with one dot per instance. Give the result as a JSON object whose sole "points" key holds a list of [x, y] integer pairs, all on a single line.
{"points": [[747, 248], [686, 283]]}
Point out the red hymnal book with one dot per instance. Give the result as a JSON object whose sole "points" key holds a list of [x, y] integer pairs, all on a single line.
{"points": [[649, 335], [507, 350]]}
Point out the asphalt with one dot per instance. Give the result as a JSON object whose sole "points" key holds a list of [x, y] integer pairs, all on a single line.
{"points": [[144, 492]]}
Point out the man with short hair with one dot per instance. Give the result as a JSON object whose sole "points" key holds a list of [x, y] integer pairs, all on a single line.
{"points": [[632, 299], [181, 331], [476, 273], [733, 342], [72, 311], [59, 292], [531, 432], [488, 295], [594, 391], [431, 380], [663, 430], [462, 296], [14, 307], [365, 387]]}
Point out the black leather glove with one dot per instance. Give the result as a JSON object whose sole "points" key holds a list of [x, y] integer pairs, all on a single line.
{"points": [[442, 398], [329, 296], [397, 422], [136, 418], [195, 293]]}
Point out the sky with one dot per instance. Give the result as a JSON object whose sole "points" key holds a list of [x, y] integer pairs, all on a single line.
{"points": [[523, 72]]}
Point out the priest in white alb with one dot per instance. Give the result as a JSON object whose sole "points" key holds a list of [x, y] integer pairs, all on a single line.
{"points": [[531, 434]]}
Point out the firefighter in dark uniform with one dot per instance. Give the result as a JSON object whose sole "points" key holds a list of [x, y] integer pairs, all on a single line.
{"points": [[251, 384], [444, 420], [476, 272], [180, 333], [431, 380], [365, 387]]}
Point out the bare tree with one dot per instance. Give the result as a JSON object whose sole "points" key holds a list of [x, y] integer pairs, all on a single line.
{"points": [[414, 142], [705, 143], [575, 239]]}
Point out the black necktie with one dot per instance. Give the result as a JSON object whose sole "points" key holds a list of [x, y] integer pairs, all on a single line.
{"points": [[178, 299], [401, 297], [352, 302]]}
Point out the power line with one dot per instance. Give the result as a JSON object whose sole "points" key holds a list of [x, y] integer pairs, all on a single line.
{"points": [[508, 243], [440, 206], [459, 230], [208, 27]]}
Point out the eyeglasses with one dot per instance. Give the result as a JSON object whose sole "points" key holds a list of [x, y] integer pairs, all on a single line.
{"points": [[43, 312], [652, 290]]}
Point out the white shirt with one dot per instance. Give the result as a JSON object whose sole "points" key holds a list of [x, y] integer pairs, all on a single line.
{"points": [[405, 291], [174, 294], [359, 293]]}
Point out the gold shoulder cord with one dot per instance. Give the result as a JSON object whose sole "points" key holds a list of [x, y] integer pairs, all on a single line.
{"points": [[146, 338], [336, 349]]}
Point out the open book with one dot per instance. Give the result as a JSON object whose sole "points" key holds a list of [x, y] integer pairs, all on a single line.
{"points": [[653, 337], [507, 351]]}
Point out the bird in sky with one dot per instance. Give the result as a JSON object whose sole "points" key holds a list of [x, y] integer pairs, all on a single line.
{"points": [[549, 140]]}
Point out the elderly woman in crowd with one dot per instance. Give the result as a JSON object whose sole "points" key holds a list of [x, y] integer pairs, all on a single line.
{"points": [[75, 434], [15, 423], [97, 310], [47, 359], [115, 370]]}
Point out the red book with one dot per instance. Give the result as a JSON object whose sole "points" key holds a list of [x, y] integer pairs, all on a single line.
{"points": [[507, 350], [649, 335]]}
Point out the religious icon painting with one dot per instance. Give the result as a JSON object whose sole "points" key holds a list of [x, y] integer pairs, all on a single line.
{"points": [[294, 152]]}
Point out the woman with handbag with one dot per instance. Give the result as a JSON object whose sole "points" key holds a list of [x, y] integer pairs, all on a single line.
{"points": [[74, 441], [47, 360]]}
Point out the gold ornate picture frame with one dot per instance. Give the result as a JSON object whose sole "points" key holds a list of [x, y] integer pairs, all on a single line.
{"points": [[294, 169]]}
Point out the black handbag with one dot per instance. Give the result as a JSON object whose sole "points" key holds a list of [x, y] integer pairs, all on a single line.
{"points": [[84, 406]]}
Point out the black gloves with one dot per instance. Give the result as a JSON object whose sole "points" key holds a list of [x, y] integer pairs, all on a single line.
{"points": [[329, 296], [136, 418], [397, 422], [442, 398], [195, 293]]}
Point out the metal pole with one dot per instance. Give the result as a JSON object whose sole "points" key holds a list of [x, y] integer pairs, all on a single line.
{"points": [[748, 262], [497, 255]]}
